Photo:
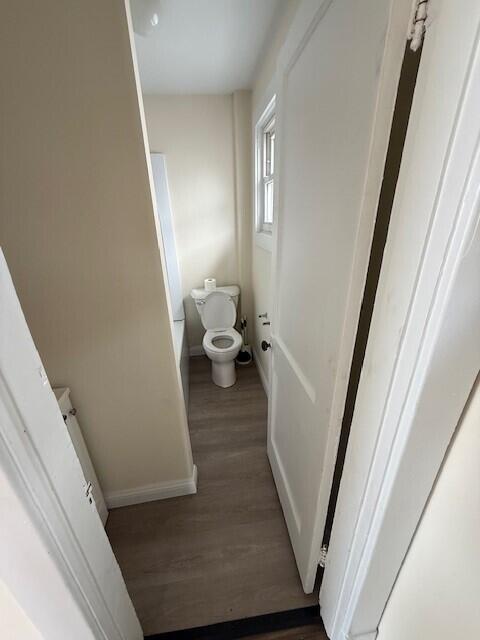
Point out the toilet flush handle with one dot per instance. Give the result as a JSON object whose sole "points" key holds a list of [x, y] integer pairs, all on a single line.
{"points": [[266, 345]]}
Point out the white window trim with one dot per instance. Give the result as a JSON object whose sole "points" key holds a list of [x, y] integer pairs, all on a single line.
{"points": [[263, 238]]}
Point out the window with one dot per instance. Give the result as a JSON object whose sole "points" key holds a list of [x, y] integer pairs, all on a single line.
{"points": [[265, 168], [267, 177]]}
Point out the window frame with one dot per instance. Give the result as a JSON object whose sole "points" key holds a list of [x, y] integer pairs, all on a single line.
{"points": [[263, 175], [268, 171]]}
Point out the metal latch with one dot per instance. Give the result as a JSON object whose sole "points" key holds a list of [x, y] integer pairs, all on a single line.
{"points": [[89, 492], [322, 561]]}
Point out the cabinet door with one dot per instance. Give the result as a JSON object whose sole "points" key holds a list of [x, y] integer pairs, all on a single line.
{"points": [[91, 485]]}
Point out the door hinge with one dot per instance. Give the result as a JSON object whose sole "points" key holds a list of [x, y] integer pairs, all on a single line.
{"points": [[418, 24], [89, 492], [322, 561]]}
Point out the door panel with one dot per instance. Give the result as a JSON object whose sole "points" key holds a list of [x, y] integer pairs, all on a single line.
{"points": [[330, 74], [293, 427]]}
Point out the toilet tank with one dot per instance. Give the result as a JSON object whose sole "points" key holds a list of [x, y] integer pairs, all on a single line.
{"points": [[199, 295]]}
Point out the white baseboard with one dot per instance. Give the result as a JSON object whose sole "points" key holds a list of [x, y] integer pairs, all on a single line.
{"points": [[148, 493], [261, 372], [197, 350]]}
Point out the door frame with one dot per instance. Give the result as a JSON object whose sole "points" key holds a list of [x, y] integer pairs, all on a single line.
{"points": [[309, 14], [438, 351]]}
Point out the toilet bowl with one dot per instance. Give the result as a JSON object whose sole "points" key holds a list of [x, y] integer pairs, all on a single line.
{"points": [[221, 342], [222, 348]]}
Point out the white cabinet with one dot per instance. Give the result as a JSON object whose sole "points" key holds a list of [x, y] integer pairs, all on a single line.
{"points": [[92, 486]]}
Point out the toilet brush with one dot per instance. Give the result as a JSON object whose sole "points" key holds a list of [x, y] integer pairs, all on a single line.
{"points": [[245, 354]]}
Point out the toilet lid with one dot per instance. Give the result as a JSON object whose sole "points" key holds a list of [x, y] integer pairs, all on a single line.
{"points": [[219, 311]]}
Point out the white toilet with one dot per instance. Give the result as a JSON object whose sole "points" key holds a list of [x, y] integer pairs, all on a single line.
{"points": [[221, 342]]}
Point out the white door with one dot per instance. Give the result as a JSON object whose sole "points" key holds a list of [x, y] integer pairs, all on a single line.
{"points": [[337, 80], [38, 454], [423, 352]]}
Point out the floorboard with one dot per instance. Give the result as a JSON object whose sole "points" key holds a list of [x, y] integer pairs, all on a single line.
{"points": [[224, 553], [294, 623], [305, 632], [312, 632]]}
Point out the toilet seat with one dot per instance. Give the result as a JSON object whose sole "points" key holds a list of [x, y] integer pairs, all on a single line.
{"points": [[210, 336], [219, 311]]}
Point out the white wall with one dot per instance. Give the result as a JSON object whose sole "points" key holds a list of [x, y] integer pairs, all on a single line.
{"points": [[14, 623], [196, 134], [264, 88], [436, 593], [78, 232], [34, 601]]}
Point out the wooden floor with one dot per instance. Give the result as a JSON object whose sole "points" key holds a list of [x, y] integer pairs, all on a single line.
{"points": [[223, 554], [312, 632]]}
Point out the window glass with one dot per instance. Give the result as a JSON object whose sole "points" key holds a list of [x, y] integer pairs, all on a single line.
{"points": [[265, 168], [268, 208]]}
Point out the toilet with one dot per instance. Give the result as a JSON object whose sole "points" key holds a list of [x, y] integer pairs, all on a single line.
{"points": [[221, 342]]}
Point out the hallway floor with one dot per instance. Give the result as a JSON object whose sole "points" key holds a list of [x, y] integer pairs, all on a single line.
{"points": [[312, 632], [224, 553]]}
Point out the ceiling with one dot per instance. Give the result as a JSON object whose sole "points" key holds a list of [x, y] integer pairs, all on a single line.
{"points": [[204, 46]]}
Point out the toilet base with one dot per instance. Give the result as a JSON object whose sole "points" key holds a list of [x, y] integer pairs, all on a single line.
{"points": [[224, 374]]}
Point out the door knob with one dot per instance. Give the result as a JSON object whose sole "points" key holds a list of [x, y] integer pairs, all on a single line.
{"points": [[266, 345]]}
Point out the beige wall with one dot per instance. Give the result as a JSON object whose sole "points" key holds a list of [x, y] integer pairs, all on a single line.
{"points": [[77, 229], [436, 593], [200, 138], [263, 90], [208, 144], [242, 127]]}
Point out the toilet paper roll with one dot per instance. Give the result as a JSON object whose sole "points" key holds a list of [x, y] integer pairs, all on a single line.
{"points": [[210, 284]]}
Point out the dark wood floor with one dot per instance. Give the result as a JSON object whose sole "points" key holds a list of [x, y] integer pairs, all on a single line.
{"points": [[223, 554], [312, 632]]}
